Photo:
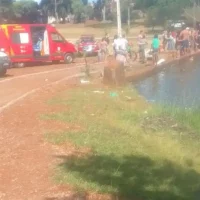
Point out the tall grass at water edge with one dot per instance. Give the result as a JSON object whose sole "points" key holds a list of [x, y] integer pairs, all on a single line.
{"points": [[187, 117]]}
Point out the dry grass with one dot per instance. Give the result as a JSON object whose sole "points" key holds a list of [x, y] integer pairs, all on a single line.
{"points": [[75, 30]]}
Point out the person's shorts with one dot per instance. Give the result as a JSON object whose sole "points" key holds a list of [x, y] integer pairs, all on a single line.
{"points": [[186, 44], [155, 50], [141, 48]]}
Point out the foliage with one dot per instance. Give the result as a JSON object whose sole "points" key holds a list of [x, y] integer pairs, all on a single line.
{"points": [[78, 9], [12, 11], [161, 10], [63, 7], [20, 7], [158, 11]]}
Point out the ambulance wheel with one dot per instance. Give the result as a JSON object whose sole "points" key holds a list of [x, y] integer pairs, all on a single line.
{"points": [[68, 58], [3, 72]]}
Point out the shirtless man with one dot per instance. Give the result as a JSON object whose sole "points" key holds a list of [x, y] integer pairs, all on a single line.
{"points": [[185, 35]]}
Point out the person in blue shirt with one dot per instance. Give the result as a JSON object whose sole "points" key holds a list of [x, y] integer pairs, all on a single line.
{"points": [[155, 48]]}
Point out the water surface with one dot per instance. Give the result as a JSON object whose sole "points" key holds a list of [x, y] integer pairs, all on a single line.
{"points": [[175, 85]]}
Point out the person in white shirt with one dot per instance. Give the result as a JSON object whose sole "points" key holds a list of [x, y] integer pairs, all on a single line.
{"points": [[121, 47], [114, 45], [120, 43], [124, 43]]}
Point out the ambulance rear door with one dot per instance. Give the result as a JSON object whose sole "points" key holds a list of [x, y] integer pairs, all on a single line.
{"points": [[20, 43], [4, 42]]}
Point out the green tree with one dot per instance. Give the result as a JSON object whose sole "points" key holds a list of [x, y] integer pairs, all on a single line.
{"points": [[161, 10], [6, 10], [19, 7], [78, 9], [63, 7]]}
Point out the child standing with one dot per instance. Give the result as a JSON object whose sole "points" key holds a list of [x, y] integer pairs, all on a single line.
{"points": [[155, 48]]}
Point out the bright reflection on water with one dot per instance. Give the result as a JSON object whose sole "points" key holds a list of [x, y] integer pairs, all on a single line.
{"points": [[177, 85]]}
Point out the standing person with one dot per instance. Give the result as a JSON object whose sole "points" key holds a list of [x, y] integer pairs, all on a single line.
{"points": [[195, 40], [185, 34], [107, 39], [114, 44], [124, 43], [103, 50], [164, 36], [121, 46], [141, 44], [155, 48], [170, 44], [198, 39], [192, 41], [178, 44]]}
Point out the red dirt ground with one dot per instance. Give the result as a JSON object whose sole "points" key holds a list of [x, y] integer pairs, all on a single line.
{"points": [[26, 159]]}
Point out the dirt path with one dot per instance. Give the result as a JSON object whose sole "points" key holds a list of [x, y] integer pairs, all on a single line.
{"points": [[25, 158], [20, 85], [46, 67]]}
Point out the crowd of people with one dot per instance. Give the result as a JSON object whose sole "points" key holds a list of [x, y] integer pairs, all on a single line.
{"points": [[174, 43]]}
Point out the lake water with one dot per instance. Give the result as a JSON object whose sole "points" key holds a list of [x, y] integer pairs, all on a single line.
{"points": [[174, 85]]}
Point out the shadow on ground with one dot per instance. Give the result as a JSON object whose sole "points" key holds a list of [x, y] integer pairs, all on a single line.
{"points": [[135, 177]]}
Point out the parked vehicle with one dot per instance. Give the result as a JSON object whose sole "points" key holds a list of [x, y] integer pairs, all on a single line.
{"points": [[4, 63], [87, 44], [175, 24], [35, 43]]}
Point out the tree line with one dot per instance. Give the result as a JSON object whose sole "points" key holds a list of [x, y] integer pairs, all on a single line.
{"points": [[28, 11]]}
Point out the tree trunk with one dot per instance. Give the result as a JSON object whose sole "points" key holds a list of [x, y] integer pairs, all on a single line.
{"points": [[104, 13]]}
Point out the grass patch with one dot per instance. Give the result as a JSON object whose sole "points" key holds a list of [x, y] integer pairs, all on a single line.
{"points": [[128, 157]]}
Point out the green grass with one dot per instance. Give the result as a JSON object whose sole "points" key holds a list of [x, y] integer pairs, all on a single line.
{"points": [[136, 150], [189, 117]]}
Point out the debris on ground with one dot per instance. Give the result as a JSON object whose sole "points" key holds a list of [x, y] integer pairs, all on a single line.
{"points": [[113, 94], [148, 53], [83, 81], [162, 60], [129, 98], [98, 92]]}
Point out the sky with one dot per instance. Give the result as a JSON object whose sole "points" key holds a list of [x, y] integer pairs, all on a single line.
{"points": [[88, 1]]}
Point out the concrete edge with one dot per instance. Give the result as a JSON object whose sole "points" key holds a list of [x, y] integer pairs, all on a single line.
{"points": [[145, 72]]}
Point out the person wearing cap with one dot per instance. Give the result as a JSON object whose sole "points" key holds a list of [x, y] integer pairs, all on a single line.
{"points": [[185, 35]]}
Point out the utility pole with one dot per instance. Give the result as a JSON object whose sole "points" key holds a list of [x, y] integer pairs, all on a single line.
{"points": [[129, 18], [194, 14], [56, 14], [104, 13], [119, 23]]}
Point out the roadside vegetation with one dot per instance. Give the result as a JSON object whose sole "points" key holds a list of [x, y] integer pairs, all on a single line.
{"points": [[124, 146]]}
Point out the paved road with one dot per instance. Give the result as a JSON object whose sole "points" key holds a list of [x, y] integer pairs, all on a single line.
{"points": [[23, 81]]}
